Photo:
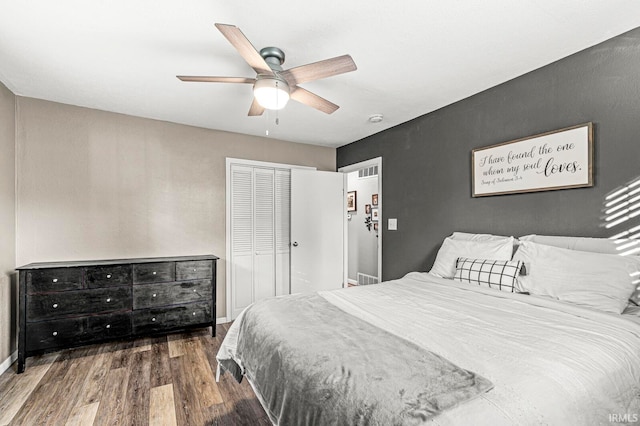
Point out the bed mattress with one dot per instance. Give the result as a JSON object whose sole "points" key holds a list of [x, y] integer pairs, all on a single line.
{"points": [[550, 362]]}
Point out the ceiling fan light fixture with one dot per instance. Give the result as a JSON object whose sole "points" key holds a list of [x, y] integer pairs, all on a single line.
{"points": [[271, 92]]}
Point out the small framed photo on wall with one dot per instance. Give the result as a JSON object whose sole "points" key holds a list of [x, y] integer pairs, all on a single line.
{"points": [[367, 208], [374, 215], [374, 199], [375, 226], [352, 202]]}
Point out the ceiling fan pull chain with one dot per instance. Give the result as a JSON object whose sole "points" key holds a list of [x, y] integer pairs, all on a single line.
{"points": [[277, 103]]}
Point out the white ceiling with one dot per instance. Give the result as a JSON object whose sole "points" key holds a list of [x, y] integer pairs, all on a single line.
{"points": [[412, 57]]}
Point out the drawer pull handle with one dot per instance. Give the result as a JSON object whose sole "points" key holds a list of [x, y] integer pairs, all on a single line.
{"points": [[55, 280], [154, 272], [108, 275], [55, 333], [194, 314], [153, 320], [108, 299], [55, 305], [154, 295], [108, 325]]}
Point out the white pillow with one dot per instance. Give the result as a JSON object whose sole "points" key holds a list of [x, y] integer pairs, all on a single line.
{"points": [[478, 237], [451, 250], [601, 281], [484, 237], [594, 245]]}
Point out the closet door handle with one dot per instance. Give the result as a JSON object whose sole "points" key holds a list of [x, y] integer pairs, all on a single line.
{"points": [[295, 244]]}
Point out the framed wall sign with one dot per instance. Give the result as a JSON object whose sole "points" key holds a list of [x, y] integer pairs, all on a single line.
{"points": [[560, 159]]}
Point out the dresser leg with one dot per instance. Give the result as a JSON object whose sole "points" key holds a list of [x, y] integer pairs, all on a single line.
{"points": [[213, 330], [21, 362]]}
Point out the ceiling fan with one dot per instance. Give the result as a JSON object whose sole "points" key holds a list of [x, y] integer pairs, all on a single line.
{"points": [[273, 86]]}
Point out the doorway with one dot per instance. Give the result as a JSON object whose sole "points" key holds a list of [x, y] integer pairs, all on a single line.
{"points": [[363, 236]]}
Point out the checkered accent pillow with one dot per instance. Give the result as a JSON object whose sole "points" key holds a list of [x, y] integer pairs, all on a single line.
{"points": [[499, 274]]}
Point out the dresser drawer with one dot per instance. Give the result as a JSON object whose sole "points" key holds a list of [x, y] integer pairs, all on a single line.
{"points": [[153, 295], [173, 317], [107, 276], [55, 279], [194, 270], [80, 302], [154, 272], [54, 334], [104, 327], [80, 330]]}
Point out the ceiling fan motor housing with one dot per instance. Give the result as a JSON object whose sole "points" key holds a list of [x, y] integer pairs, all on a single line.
{"points": [[273, 56]]}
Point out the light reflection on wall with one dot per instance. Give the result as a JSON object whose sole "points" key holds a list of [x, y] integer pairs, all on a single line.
{"points": [[622, 216]]}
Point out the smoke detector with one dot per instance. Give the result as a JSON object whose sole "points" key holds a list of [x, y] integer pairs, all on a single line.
{"points": [[375, 118]]}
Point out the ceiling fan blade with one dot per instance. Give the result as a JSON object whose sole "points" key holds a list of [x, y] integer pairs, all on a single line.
{"points": [[208, 79], [311, 99], [245, 48], [255, 109], [318, 70]]}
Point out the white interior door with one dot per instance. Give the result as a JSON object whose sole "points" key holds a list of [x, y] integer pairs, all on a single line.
{"points": [[318, 214]]}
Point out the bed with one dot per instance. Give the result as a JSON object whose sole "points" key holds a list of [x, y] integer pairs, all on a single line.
{"points": [[426, 349]]}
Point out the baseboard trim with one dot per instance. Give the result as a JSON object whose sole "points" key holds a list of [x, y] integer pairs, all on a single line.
{"points": [[7, 362], [221, 320]]}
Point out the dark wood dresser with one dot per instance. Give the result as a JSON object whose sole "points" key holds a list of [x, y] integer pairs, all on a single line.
{"points": [[65, 304]]}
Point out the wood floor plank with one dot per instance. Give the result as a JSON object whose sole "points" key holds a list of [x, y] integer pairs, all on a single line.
{"points": [[189, 411], [241, 397], [16, 388], [120, 358], [176, 347], [137, 406], [95, 378], [42, 396], [141, 345], [83, 415], [204, 377], [162, 411], [223, 415], [160, 367], [112, 403]]}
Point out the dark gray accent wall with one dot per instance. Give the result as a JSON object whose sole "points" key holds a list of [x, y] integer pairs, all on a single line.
{"points": [[427, 161]]}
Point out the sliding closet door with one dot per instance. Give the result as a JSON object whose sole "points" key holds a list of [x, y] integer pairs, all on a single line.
{"points": [[259, 234], [282, 230], [241, 227], [264, 235]]}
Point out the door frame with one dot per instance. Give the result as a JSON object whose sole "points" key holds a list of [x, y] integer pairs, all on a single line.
{"points": [[227, 261], [377, 161]]}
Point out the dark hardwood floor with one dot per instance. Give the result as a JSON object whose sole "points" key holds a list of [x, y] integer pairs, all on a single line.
{"points": [[167, 380]]}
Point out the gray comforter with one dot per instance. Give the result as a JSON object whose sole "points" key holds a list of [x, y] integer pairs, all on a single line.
{"points": [[313, 364]]}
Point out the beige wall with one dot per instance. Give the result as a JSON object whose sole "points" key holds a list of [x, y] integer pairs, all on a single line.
{"points": [[98, 185], [8, 288]]}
